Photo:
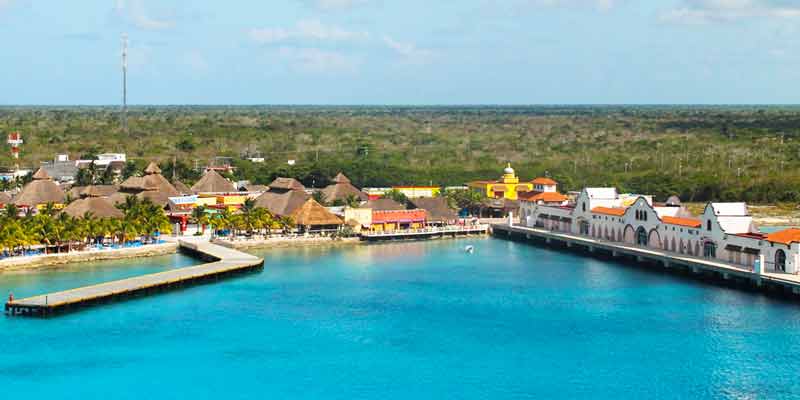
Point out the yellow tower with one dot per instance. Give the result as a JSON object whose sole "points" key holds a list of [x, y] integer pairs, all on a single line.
{"points": [[509, 176]]}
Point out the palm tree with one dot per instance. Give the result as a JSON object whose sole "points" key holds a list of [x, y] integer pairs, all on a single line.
{"points": [[200, 218]]}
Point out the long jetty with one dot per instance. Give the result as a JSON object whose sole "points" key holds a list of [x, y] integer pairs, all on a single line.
{"points": [[766, 281], [425, 233], [223, 262]]}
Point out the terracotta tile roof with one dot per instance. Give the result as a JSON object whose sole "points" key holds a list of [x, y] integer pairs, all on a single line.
{"points": [[786, 236], [544, 181], [547, 197], [690, 222], [609, 211]]}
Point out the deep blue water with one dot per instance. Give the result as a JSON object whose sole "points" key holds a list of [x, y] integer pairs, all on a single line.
{"points": [[412, 320]]}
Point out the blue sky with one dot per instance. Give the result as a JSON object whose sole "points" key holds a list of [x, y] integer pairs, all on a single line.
{"points": [[402, 52]]}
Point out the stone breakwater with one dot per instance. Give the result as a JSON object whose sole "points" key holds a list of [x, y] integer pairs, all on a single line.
{"points": [[41, 261]]}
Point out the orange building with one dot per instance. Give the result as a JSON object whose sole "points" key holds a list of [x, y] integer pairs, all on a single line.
{"points": [[392, 220]]}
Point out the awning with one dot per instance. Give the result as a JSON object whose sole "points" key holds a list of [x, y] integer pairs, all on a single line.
{"points": [[750, 250], [733, 247]]}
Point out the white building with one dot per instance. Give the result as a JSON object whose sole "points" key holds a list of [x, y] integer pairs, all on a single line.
{"points": [[725, 232]]}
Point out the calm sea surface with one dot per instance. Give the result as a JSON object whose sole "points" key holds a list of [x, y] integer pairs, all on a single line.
{"points": [[406, 321]]}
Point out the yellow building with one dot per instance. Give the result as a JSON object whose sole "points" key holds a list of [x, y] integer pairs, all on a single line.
{"points": [[507, 187]]}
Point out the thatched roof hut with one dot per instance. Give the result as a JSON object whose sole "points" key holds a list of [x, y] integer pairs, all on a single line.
{"points": [[253, 188], [341, 189], [182, 188], [100, 207], [41, 190], [213, 182], [383, 204], [157, 197], [437, 208], [119, 197], [282, 204], [152, 169], [94, 191], [284, 184], [152, 180], [313, 215]]}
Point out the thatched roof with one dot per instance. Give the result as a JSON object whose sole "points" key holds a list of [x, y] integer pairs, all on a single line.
{"points": [[158, 197], [383, 204], [286, 184], [100, 207], [213, 182], [96, 191], [341, 178], [182, 188], [341, 189], [41, 190], [119, 197], [256, 188], [41, 174], [151, 181], [282, 204], [152, 169], [312, 213], [5, 198], [437, 208]]}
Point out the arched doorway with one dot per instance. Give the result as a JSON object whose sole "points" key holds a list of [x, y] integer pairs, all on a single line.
{"points": [[641, 236], [654, 240], [710, 250], [780, 261], [630, 235], [584, 227]]}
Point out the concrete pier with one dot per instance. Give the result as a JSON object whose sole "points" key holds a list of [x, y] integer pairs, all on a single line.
{"points": [[223, 262], [767, 281], [425, 233]]}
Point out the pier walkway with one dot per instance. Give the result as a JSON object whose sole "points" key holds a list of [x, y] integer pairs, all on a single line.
{"points": [[223, 262], [425, 233], [787, 282]]}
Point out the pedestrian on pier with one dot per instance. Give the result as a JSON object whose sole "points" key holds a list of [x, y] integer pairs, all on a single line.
{"points": [[10, 297]]}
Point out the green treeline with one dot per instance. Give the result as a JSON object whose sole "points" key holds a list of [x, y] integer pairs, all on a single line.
{"points": [[749, 153]]}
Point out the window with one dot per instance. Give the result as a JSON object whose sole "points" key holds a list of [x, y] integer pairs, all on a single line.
{"points": [[709, 250], [708, 225], [583, 207]]}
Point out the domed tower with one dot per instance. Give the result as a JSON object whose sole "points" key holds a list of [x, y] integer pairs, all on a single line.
{"points": [[509, 175]]}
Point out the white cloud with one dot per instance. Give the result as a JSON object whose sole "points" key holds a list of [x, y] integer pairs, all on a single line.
{"points": [[409, 51], [318, 60], [305, 30], [709, 11], [134, 12]]}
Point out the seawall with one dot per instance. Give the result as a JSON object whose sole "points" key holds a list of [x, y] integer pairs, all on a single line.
{"points": [[41, 261]]}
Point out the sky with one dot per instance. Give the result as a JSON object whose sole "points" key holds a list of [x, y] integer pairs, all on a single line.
{"points": [[401, 51]]}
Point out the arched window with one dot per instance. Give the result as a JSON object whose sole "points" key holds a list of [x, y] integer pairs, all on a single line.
{"points": [[708, 225], [583, 207], [780, 261]]}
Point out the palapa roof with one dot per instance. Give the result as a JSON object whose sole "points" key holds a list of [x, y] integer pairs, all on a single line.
{"points": [[100, 207], [151, 181], [5, 198], [152, 169], [158, 197], [213, 182], [341, 190], [286, 184], [436, 207], [312, 213], [256, 188], [119, 197], [282, 204], [383, 204], [341, 178], [182, 188], [96, 191], [41, 190]]}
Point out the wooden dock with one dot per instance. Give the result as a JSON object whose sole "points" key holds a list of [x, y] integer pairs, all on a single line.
{"points": [[223, 262], [425, 233], [767, 281]]}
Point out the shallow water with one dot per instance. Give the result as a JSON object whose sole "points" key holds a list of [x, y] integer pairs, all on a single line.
{"points": [[410, 320]]}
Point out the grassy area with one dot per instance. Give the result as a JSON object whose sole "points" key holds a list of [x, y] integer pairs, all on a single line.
{"points": [[701, 153]]}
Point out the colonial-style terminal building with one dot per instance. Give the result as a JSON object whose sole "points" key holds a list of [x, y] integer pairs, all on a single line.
{"points": [[723, 232]]}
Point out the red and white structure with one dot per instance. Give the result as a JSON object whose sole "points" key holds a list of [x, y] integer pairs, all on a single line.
{"points": [[15, 141]]}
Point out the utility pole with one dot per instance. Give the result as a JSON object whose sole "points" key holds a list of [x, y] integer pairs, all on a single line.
{"points": [[125, 83]]}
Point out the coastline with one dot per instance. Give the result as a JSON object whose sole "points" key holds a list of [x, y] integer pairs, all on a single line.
{"points": [[33, 263]]}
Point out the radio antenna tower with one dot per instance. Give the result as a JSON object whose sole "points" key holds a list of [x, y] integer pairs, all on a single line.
{"points": [[125, 82]]}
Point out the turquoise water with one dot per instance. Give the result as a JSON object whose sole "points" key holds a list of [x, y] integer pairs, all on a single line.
{"points": [[412, 320]]}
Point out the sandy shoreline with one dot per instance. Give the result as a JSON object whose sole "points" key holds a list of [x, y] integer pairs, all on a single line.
{"points": [[33, 263]]}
